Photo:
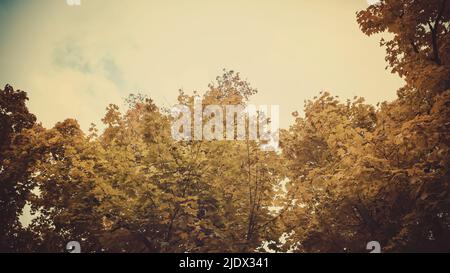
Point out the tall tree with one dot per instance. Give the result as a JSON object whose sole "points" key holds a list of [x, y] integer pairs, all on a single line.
{"points": [[15, 119], [363, 174]]}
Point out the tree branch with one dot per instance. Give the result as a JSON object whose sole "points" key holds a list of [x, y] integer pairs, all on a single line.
{"points": [[434, 33]]}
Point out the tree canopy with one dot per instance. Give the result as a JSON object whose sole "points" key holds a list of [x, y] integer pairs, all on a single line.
{"points": [[347, 172]]}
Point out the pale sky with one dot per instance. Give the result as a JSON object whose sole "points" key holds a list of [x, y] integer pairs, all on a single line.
{"points": [[75, 60]]}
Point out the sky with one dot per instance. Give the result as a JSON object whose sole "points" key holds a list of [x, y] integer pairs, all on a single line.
{"points": [[75, 60]]}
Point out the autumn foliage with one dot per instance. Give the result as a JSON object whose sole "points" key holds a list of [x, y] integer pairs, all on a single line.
{"points": [[347, 172]]}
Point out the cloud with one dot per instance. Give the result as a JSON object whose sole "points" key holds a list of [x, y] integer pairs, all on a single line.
{"points": [[73, 56], [112, 71], [70, 55]]}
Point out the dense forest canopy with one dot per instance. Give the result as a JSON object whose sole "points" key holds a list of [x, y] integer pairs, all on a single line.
{"points": [[347, 172]]}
